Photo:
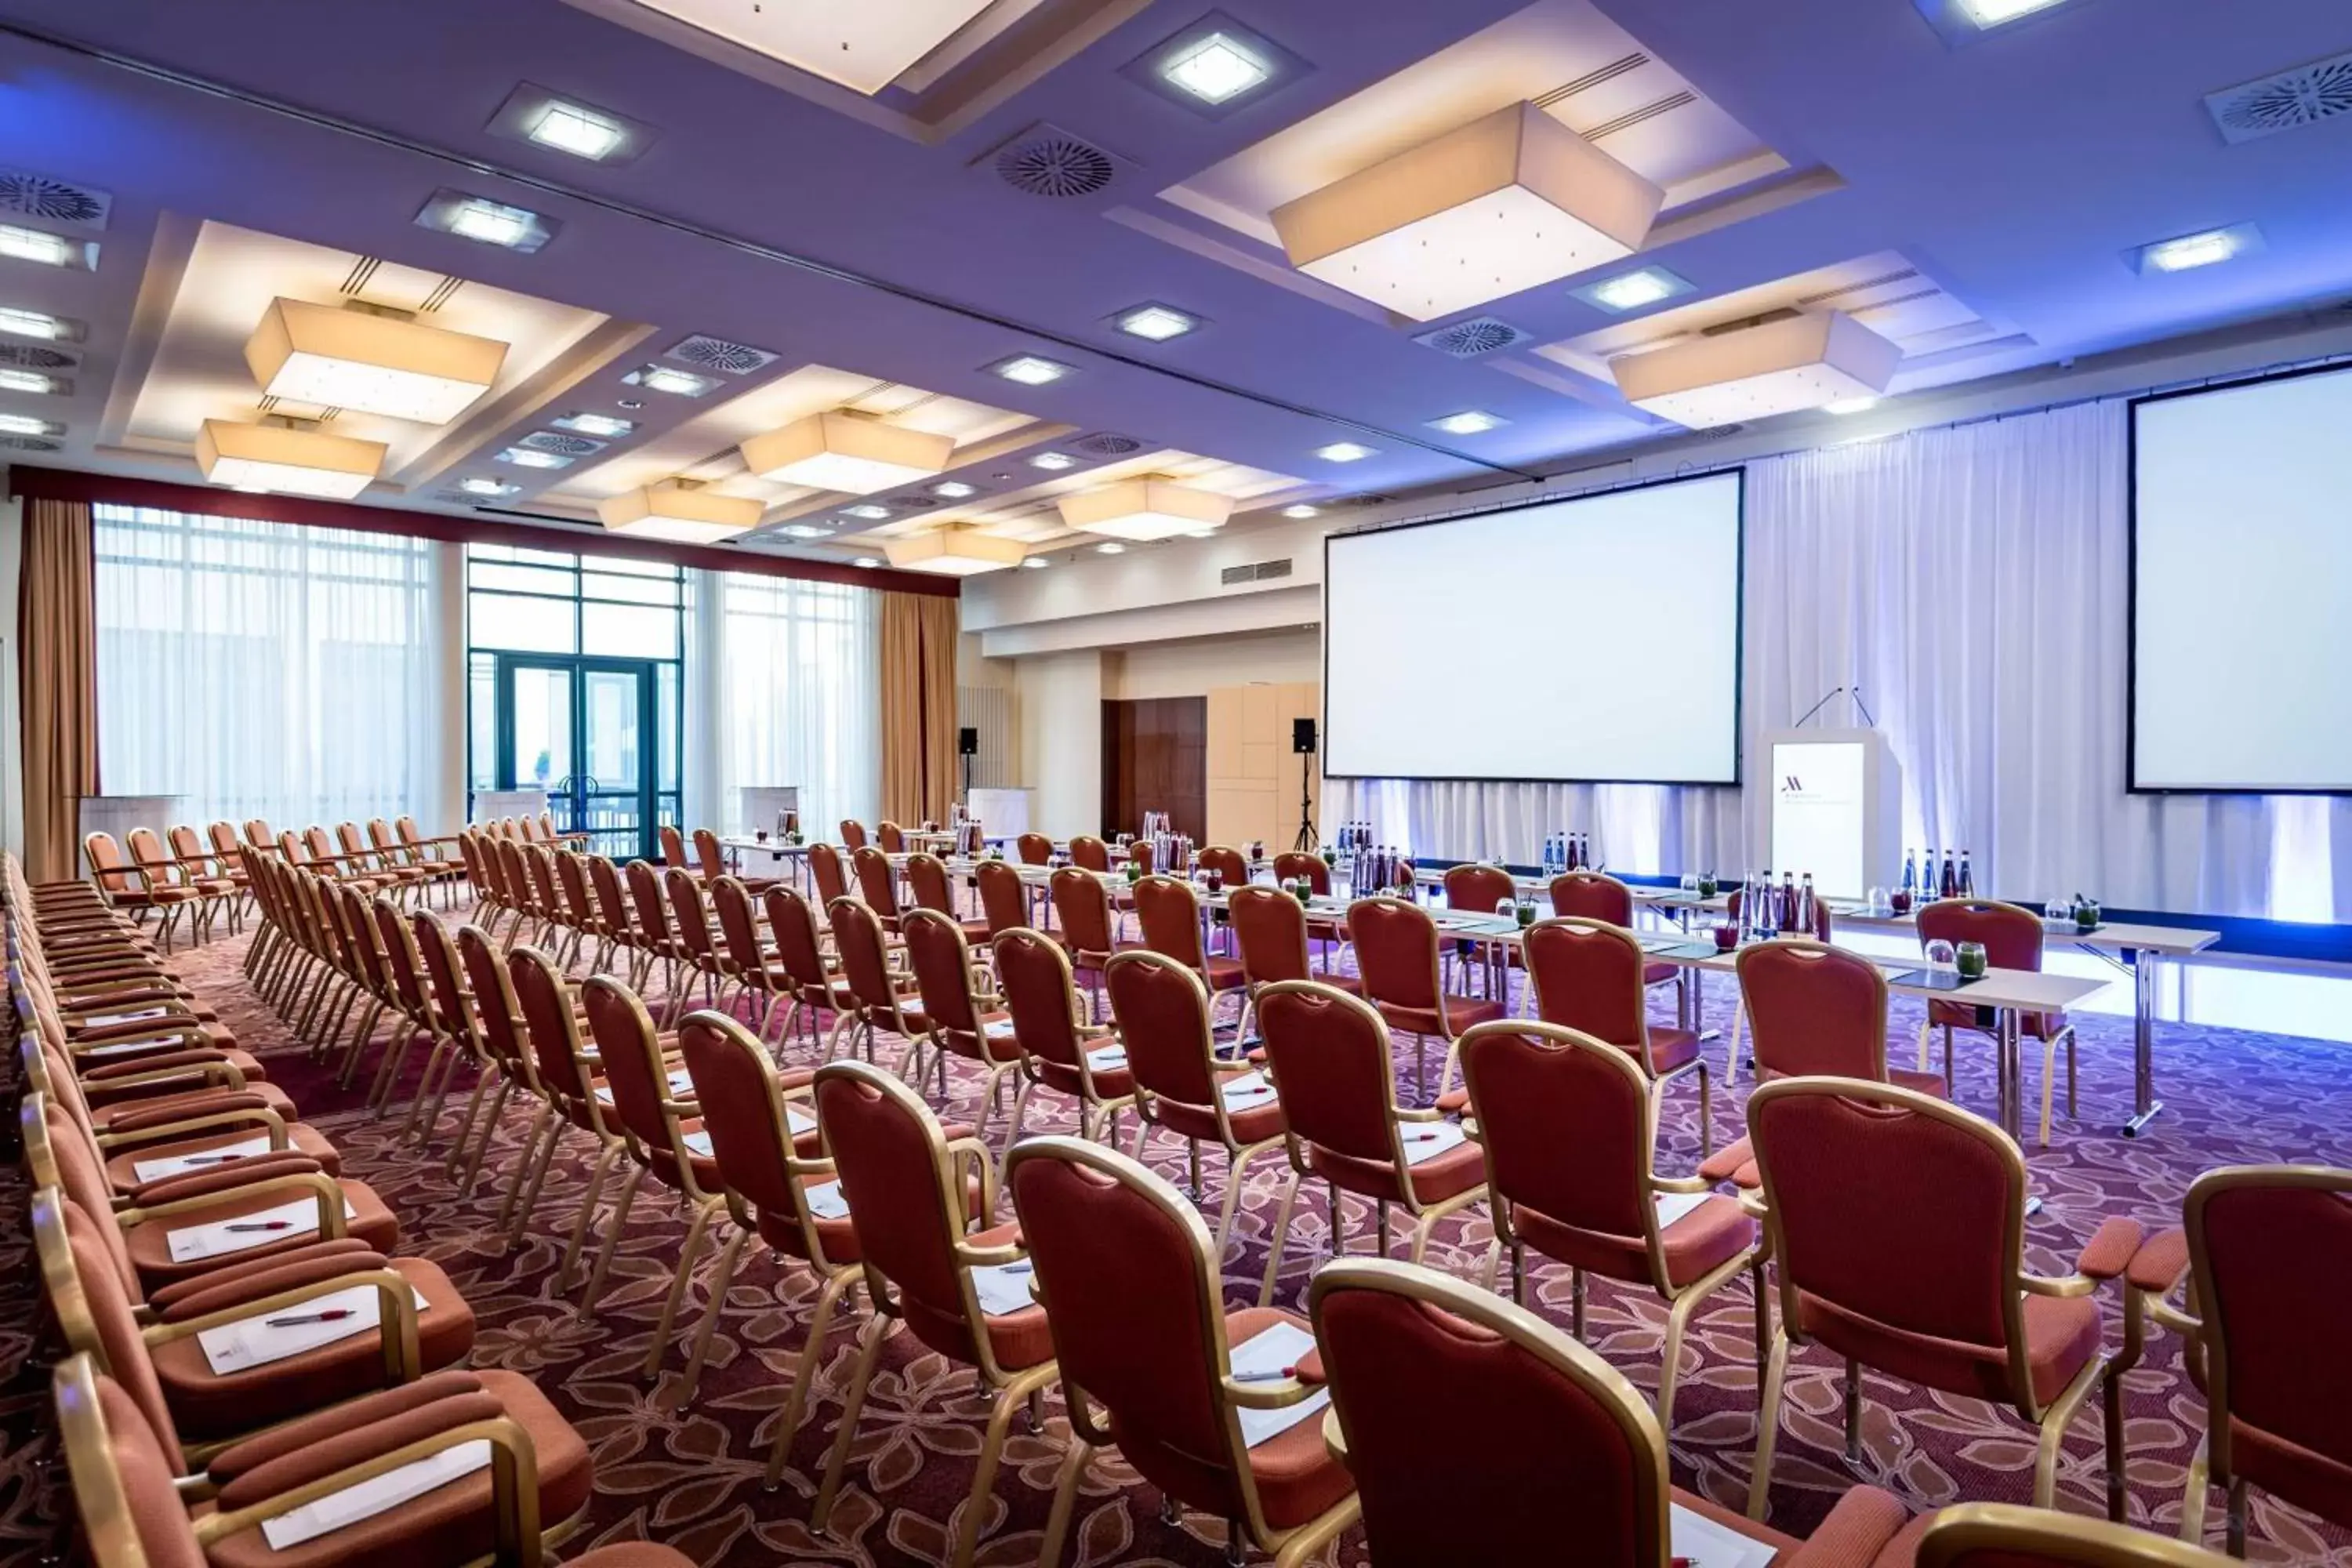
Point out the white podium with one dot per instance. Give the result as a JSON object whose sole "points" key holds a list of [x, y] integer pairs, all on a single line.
{"points": [[761, 806], [1003, 813], [1837, 809]]}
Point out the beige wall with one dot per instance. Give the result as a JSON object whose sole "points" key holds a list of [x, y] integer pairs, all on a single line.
{"points": [[1060, 706], [1253, 774], [1196, 667]]}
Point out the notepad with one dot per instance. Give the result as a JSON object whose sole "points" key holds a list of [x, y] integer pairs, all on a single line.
{"points": [[998, 1028], [1425, 1141], [1003, 1289], [681, 1087], [196, 1242], [1703, 1544], [201, 1160], [325, 1515], [120, 1048], [113, 1018], [251, 1342], [1673, 1207], [1246, 1092], [1103, 1058], [826, 1202], [1275, 1351]]}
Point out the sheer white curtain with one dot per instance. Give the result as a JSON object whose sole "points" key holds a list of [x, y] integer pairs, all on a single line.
{"points": [[1973, 581], [267, 670], [798, 694]]}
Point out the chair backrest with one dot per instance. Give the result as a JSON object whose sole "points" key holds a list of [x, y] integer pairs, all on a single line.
{"points": [[1328, 1053], [1170, 918], [131, 1514], [707, 856], [100, 1318], [403, 965], [1083, 906], [1480, 890], [1569, 1125], [738, 928], [320, 846], [495, 1007], [1140, 856], [1002, 899], [257, 833], [445, 972], [1034, 849], [1089, 852], [853, 834], [630, 1053], [612, 901], [515, 872], [743, 1103], [1128, 1272], [890, 838], [875, 883], [905, 1199], [148, 850], [1586, 976], [114, 874], [2005, 1535], [579, 904], [184, 844], [1270, 928], [1229, 863], [1293, 864], [2270, 1247], [1594, 895], [1892, 1207], [792, 926], [1396, 950], [690, 916], [379, 834], [673, 846], [927, 879], [551, 1030], [941, 960], [349, 839], [650, 908], [410, 833], [865, 958], [1813, 1009], [539, 860], [2011, 936], [223, 837], [1040, 993], [1162, 1012], [1446, 1391], [825, 871]]}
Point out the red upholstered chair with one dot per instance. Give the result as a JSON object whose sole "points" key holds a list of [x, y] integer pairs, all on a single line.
{"points": [[672, 846], [877, 884], [956, 1020], [827, 873], [1147, 1352], [815, 985], [932, 889], [908, 1184], [1329, 1057], [1090, 853], [1569, 1126], [890, 837], [1034, 849], [619, 926], [873, 1000], [1477, 1433], [1588, 975], [775, 1180], [1164, 1012], [582, 917], [2267, 1253], [574, 1088], [1089, 929], [2003, 1535], [1270, 933], [1003, 898], [853, 834], [1397, 961], [1598, 895], [712, 861], [697, 947], [1292, 864], [649, 923], [132, 1516], [1138, 855], [130, 884], [219, 881], [500, 1016], [2012, 939], [459, 1045], [1061, 1048], [1168, 915], [1478, 889], [519, 897], [1897, 1226], [539, 860], [744, 957], [1229, 863], [411, 995]]}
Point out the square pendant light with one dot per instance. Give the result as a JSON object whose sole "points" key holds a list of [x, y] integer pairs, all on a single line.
{"points": [[1808, 360], [1144, 510], [954, 490], [332, 358], [684, 514], [608, 426], [846, 452], [283, 460], [677, 382], [955, 550], [1345, 452], [1510, 201]]}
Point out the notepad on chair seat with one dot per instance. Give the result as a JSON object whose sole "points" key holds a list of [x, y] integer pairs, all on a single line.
{"points": [[1104, 1058], [826, 1202], [111, 1019], [203, 1160], [1703, 1544], [1003, 1289], [252, 1342], [325, 1515], [1425, 1141], [1274, 1351], [681, 1087], [193, 1243], [998, 1028], [1246, 1091], [1673, 1207]]}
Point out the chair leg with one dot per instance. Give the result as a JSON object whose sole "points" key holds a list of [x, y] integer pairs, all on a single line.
{"points": [[1670, 1362], [517, 1208], [1066, 1494], [804, 1371], [1768, 1426], [1238, 1164], [1277, 1240], [687, 1255], [612, 1244], [1925, 1029], [2193, 1496], [1706, 1112], [489, 1130], [466, 1123], [721, 1276], [2050, 1083], [1010, 1398], [1852, 1411], [877, 1328], [2111, 1401], [598, 1175]]}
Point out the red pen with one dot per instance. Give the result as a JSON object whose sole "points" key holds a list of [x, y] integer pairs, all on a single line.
{"points": [[331, 1315], [259, 1225]]}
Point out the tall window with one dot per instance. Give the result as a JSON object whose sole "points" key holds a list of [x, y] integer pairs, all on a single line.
{"points": [[259, 669], [800, 695]]}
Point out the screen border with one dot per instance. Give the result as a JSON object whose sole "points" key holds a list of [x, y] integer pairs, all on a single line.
{"points": [[1738, 472]]}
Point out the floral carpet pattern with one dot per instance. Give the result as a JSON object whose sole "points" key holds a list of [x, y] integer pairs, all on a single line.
{"points": [[691, 1476]]}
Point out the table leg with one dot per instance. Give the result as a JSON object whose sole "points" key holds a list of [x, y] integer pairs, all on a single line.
{"points": [[2012, 1088], [2144, 1105]]}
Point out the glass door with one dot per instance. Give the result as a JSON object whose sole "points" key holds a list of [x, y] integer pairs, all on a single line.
{"points": [[583, 729]]}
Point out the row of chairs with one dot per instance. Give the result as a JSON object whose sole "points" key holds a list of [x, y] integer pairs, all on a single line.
{"points": [[185, 1221]]}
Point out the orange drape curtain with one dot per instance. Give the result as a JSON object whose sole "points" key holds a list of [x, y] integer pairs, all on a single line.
{"points": [[918, 706], [56, 679]]}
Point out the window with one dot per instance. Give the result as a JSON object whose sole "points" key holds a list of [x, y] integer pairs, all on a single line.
{"points": [[260, 670], [800, 695]]}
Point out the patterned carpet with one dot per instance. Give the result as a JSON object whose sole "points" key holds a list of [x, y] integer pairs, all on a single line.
{"points": [[692, 1477]]}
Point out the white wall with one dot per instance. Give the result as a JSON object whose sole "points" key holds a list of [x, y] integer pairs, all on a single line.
{"points": [[1061, 698], [1196, 667]]}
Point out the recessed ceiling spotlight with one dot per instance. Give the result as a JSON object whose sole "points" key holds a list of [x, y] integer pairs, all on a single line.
{"points": [[631, 404], [1632, 290], [869, 511], [1469, 422], [1993, 13], [806, 530], [564, 123], [21, 425], [486, 221], [954, 490], [1344, 451], [2187, 252], [532, 457], [1850, 405], [582, 132], [677, 383], [1216, 68], [1030, 370], [1052, 462], [1110, 547], [487, 487], [1036, 563], [608, 425], [34, 245], [1302, 509], [1156, 323], [869, 561], [30, 381], [1202, 533], [34, 323]]}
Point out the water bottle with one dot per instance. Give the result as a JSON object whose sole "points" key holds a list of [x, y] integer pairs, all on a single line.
{"points": [[1967, 881], [1805, 921], [1910, 876]]}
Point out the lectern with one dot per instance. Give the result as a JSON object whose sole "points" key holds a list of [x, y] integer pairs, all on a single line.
{"points": [[1837, 809]]}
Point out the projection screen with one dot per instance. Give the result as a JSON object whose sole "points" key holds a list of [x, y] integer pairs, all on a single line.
{"points": [[2242, 587], [1590, 640]]}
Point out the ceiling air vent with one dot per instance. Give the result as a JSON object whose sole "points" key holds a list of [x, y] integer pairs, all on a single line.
{"points": [[556, 441], [32, 356], [27, 444], [1255, 572], [1470, 339], [1718, 432], [2318, 91], [1047, 161], [53, 201], [717, 353], [1106, 444]]}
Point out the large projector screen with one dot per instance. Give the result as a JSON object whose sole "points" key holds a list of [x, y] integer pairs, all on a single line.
{"points": [[1593, 641], [2242, 586]]}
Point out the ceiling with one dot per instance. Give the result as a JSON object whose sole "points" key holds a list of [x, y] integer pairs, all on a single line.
{"points": [[1976, 197]]}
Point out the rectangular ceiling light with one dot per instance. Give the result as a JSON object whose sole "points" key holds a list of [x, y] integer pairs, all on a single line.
{"points": [[331, 358], [1510, 201], [680, 513], [846, 452], [1808, 359], [862, 48], [286, 461], [954, 550], [1144, 510], [1993, 13]]}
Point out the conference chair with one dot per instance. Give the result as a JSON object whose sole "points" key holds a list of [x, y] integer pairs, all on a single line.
{"points": [[853, 834], [1570, 1127], [812, 983], [826, 873], [649, 924], [1589, 975], [1061, 1048], [130, 885], [1004, 899], [956, 1020], [890, 837], [1477, 1432], [571, 1085], [672, 846], [1272, 934], [2012, 938], [1598, 895], [1090, 853], [1476, 889], [922, 1202], [1168, 916], [874, 997], [758, 975], [582, 917], [712, 858], [403, 966], [1034, 849], [509, 1060], [547, 899], [221, 879], [877, 885], [1398, 963], [460, 1042], [618, 928], [1328, 1055], [374, 861], [697, 953], [930, 887], [1230, 863], [2266, 1252], [1896, 1223], [2003, 1535], [1205, 1404], [1089, 928], [432, 853]]}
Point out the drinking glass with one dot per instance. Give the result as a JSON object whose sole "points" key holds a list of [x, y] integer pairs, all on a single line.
{"points": [[1971, 960], [1940, 954]]}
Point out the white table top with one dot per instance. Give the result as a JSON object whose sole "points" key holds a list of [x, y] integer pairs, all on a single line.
{"points": [[748, 845]]}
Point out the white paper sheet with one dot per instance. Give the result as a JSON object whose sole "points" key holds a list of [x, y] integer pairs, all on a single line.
{"points": [[122, 1048], [1425, 1141], [1105, 1058], [1673, 1207], [826, 1202], [387, 1491], [1246, 1091], [998, 1028], [1273, 1350], [204, 1160], [1703, 1544], [192, 1243], [797, 1121], [252, 1342], [111, 1019], [1003, 1288], [681, 1087]]}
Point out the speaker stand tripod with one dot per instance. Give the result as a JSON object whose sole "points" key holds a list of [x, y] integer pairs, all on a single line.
{"points": [[1307, 835]]}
